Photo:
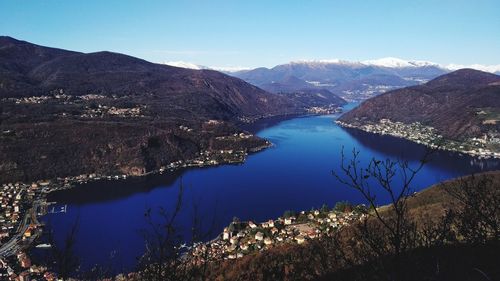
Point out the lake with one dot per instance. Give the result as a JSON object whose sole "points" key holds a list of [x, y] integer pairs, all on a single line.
{"points": [[294, 174]]}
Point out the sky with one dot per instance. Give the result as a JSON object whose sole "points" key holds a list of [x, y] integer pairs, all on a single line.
{"points": [[254, 33]]}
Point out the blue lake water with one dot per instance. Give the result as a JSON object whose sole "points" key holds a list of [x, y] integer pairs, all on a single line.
{"points": [[294, 174]]}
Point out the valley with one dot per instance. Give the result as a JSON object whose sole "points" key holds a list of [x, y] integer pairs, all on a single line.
{"points": [[75, 124]]}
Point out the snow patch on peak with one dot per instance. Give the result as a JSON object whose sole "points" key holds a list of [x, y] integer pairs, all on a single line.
{"points": [[398, 63], [184, 64], [190, 65], [230, 68], [389, 62], [324, 62], [486, 68]]}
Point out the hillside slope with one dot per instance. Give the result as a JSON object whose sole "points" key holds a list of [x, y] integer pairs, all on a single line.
{"points": [[31, 70], [461, 105], [66, 113]]}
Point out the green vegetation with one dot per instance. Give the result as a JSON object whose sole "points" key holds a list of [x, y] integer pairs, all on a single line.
{"points": [[343, 206]]}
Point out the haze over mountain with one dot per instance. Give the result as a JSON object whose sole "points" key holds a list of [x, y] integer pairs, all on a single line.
{"points": [[462, 104]]}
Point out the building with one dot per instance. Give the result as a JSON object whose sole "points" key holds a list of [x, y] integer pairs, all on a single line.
{"points": [[259, 236]]}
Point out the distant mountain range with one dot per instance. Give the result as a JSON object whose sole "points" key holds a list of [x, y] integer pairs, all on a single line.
{"points": [[460, 105], [350, 80]]}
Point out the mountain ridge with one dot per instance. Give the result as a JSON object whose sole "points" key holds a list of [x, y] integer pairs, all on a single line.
{"points": [[352, 80]]}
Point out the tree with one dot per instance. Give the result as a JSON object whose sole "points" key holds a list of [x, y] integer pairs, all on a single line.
{"points": [[392, 231], [342, 206], [166, 255], [289, 213], [325, 208], [477, 216]]}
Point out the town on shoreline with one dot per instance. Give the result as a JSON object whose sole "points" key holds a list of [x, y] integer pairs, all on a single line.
{"points": [[23, 203], [428, 136]]}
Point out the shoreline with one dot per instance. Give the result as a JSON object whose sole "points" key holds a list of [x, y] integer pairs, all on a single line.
{"points": [[44, 187], [476, 154], [39, 205]]}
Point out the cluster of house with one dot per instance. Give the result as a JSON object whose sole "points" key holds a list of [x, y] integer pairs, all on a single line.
{"points": [[212, 157], [30, 100], [330, 109], [366, 93], [23, 270], [13, 201], [207, 158], [56, 95], [17, 232], [235, 136], [242, 238], [92, 97], [185, 128], [428, 136], [103, 110], [251, 119]]}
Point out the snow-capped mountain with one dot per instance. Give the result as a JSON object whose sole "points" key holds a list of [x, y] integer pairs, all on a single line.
{"points": [[353, 80], [398, 63], [191, 65], [487, 68], [322, 63], [184, 64], [350, 79], [388, 62]]}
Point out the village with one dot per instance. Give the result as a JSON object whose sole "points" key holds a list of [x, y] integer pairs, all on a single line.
{"points": [[243, 238], [330, 109], [93, 109], [428, 136], [21, 204], [354, 95]]}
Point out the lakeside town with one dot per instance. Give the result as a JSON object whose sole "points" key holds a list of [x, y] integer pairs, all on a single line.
{"points": [[243, 238], [478, 147], [22, 204], [329, 109]]}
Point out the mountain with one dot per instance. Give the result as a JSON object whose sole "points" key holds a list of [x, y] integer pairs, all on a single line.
{"points": [[190, 65], [486, 68], [350, 80], [30, 70], [184, 64], [66, 113], [398, 63], [287, 85], [460, 105], [316, 98]]}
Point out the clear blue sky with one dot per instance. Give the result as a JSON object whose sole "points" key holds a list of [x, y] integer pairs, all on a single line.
{"points": [[263, 33]]}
